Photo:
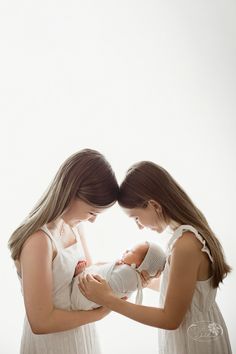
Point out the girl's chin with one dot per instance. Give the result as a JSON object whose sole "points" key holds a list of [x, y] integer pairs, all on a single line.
{"points": [[73, 223], [156, 229]]}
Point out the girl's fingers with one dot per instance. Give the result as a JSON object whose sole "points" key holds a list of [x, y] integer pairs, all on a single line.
{"points": [[158, 274], [82, 284], [84, 279], [88, 277], [145, 275], [81, 287], [145, 278], [98, 278]]}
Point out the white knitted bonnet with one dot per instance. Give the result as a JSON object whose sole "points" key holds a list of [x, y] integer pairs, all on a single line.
{"points": [[154, 260]]}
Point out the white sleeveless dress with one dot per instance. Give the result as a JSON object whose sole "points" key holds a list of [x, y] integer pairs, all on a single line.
{"points": [[81, 340], [203, 330]]}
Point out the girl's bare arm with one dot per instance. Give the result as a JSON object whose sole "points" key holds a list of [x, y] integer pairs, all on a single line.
{"points": [[154, 284], [184, 265], [36, 271]]}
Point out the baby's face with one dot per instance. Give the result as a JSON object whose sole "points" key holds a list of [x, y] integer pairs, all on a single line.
{"points": [[135, 255]]}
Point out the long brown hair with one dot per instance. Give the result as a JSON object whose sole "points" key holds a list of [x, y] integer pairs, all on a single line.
{"points": [[145, 181], [86, 175]]}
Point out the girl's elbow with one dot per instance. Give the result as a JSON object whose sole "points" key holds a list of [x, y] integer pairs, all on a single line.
{"points": [[167, 326], [172, 326], [37, 329], [172, 321], [40, 323]]}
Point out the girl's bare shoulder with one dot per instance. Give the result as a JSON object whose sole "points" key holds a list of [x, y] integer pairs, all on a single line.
{"points": [[188, 242], [38, 241]]}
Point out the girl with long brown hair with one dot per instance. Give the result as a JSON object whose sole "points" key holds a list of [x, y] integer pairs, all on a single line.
{"points": [[46, 248], [188, 318]]}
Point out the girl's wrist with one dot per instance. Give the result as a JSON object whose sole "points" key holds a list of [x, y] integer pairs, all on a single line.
{"points": [[111, 301]]}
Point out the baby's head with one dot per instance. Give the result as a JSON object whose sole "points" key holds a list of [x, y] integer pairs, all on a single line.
{"points": [[135, 255], [145, 256]]}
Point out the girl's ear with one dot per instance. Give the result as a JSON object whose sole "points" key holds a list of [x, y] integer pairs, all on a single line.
{"points": [[155, 205]]}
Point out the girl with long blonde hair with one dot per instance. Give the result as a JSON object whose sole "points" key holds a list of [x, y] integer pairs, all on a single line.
{"points": [[46, 249]]}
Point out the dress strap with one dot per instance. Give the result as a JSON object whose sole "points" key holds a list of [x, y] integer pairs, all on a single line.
{"points": [[45, 229], [179, 232]]}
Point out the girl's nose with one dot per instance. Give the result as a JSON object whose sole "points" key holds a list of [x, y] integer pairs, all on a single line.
{"points": [[140, 226], [92, 218]]}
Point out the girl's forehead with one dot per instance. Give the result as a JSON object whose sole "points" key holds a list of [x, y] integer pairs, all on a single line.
{"points": [[97, 210], [131, 212]]}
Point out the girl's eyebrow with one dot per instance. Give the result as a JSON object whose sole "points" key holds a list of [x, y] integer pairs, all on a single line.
{"points": [[95, 211]]}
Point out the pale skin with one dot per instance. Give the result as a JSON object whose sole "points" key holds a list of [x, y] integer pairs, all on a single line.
{"points": [[35, 268], [135, 255], [188, 264]]}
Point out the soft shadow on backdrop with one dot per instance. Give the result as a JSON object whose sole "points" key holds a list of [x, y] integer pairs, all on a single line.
{"points": [[135, 80]]}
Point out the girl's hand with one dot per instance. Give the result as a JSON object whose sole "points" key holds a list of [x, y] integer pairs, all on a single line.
{"points": [[95, 288], [146, 278]]}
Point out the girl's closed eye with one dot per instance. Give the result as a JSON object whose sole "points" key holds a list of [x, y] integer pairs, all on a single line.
{"points": [[93, 214]]}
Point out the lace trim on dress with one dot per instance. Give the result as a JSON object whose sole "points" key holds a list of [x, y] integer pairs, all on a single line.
{"points": [[179, 231]]}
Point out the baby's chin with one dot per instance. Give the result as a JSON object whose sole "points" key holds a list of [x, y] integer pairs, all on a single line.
{"points": [[132, 265], [122, 261]]}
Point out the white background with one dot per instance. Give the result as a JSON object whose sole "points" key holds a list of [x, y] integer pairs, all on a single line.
{"points": [[135, 80]]}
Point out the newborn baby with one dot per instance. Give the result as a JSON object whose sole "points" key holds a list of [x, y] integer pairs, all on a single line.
{"points": [[122, 276]]}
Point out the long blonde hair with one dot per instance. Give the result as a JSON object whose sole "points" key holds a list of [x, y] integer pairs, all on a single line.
{"points": [[86, 175], [145, 181]]}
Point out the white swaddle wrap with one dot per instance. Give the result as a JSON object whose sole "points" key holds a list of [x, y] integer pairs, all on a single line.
{"points": [[122, 278]]}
